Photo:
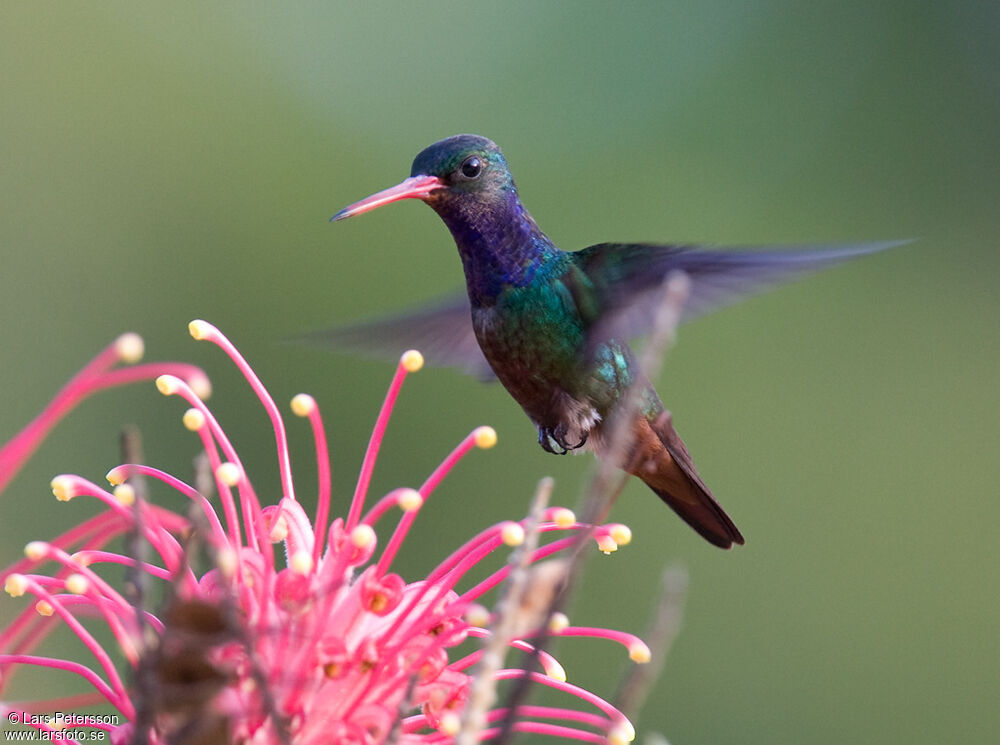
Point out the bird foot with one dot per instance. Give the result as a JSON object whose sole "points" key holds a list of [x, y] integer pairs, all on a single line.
{"points": [[553, 439]]}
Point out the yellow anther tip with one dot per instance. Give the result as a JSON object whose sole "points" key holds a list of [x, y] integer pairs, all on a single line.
{"points": [[168, 385], [621, 734], [199, 329], [363, 536], [477, 615], [227, 560], [301, 562], [563, 517], [512, 534], [77, 584], [639, 652], [16, 585], [63, 488], [80, 558], [622, 534], [117, 475], [228, 473], [485, 437], [303, 405], [409, 500], [558, 622], [36, 550], [130, 348], [606, 544], [450, 724], [124, 494], [411, 360], [193, 420], [44, 608], [556, 671]]}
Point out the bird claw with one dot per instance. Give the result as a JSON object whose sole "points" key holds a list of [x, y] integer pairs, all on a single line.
{"points": [[553, 440]]}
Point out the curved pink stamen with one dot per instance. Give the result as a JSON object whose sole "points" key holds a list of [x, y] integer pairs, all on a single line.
{"points": [[627, 640], [425, 491], [547, 661], [157, 535], [64, 703], [226, 499], [552, 712], [374, 443], [324, 479], [218, 534], [210, 333], [553, 730], [248, 497], [95, 580], [581, 693], [385, 504], [85, 601], [94, 377], [115, 698], [89, 642], [501, 574]]}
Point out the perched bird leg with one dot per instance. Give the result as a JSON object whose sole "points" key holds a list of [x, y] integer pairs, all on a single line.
{"points": [[566, 445], [546, 440], [556, 436]]}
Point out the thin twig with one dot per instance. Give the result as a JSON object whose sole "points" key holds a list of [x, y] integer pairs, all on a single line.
{"points": [[666, 623], [616, 433], [404, 708], [136, 587], [506, 623], [608, 481]]}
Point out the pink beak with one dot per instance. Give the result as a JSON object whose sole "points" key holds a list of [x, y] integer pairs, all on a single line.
{"points": [[415, 187]]}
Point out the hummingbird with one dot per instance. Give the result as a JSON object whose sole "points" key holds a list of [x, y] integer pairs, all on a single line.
{"points": [[554, 326]]}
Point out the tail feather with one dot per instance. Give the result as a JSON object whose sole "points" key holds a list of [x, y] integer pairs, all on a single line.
{"points": [[661, 460]]}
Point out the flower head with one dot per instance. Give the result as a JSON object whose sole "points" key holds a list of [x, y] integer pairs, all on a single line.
{"points": [[318, 642]]}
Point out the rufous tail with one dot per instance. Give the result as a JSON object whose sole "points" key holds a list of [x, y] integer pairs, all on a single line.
{"points": [[659, 457]]}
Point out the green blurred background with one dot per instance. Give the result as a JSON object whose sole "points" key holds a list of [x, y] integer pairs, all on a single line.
{"points": [[164, 162]]}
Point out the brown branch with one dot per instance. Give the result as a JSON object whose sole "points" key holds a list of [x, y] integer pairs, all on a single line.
{"points": [[608, 481], [663, 629], [507, 623]]}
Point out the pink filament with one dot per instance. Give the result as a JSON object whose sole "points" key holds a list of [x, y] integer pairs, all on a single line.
{"points": [[425, 491], [188, 491], [115, 698], [248, 498], [120, 696], [93, 377], [368, 464], [324, 479], [284, 464], [624, 638]]}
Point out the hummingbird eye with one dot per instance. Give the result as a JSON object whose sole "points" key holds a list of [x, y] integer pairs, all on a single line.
{"points": [[471, 167]]}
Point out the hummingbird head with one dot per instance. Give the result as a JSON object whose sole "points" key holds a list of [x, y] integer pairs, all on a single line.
{"points": [[459, 173]]}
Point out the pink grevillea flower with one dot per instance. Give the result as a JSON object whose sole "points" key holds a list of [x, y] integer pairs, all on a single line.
{"points": [[317, 642]]}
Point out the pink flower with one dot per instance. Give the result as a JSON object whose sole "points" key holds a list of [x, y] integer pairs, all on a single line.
{"points": [[322, 643]]}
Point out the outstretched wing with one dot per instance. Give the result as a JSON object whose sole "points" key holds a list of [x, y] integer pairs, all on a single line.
{"points": [[442, 332], [625, 279], [618, 288]]}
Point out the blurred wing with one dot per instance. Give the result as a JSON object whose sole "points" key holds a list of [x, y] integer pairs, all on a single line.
{"points": [[625, 279], [442, 332]]}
